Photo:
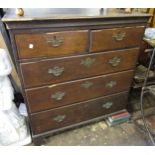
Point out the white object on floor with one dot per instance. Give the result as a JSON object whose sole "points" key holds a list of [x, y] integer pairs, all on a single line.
{"points": [[25, 141], [13, 128], [6, 90], [23, 109]]}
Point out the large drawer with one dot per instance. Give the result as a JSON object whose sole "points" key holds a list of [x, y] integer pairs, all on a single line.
{"points": [[51, 44], [68, 115], [58, 95], [71, 68], [117, 38]]}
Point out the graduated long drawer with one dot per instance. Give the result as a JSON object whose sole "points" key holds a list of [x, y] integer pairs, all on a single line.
{"points": [[53, 96], [73, 114], [53, 71]]}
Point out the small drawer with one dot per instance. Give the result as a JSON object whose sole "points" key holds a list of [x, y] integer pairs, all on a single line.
{"points": [[108, 39], [51, 44], [54, 71], [84, 111], [58, 95]]}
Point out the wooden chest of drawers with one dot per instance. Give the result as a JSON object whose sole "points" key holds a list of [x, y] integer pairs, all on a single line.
{"points": [[76, 70]]}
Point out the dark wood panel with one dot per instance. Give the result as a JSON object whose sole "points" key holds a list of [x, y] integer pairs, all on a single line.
{"points": [[71, 68], [73, 114], [51, 44], [116, 38], [71, 92]]}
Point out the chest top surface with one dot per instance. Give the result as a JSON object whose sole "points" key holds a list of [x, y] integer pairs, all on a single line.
{"points": [[67, 13]]}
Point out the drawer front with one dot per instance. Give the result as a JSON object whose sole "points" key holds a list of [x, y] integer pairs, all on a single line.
{"points": [[108, 39], [60, 70], [65, 116], [76, 91], [51, 44]]}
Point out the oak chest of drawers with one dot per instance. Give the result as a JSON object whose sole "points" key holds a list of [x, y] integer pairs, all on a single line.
{"points": [[75, 68]]}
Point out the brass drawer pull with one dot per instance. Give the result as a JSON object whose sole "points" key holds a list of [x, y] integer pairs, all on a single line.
{"points": [[115, 61], [56, 71], [59, 118], [87, 84], [107, 105], [119, 36], [58, 95], [87, 62], [55, 41], [111, 84]]}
